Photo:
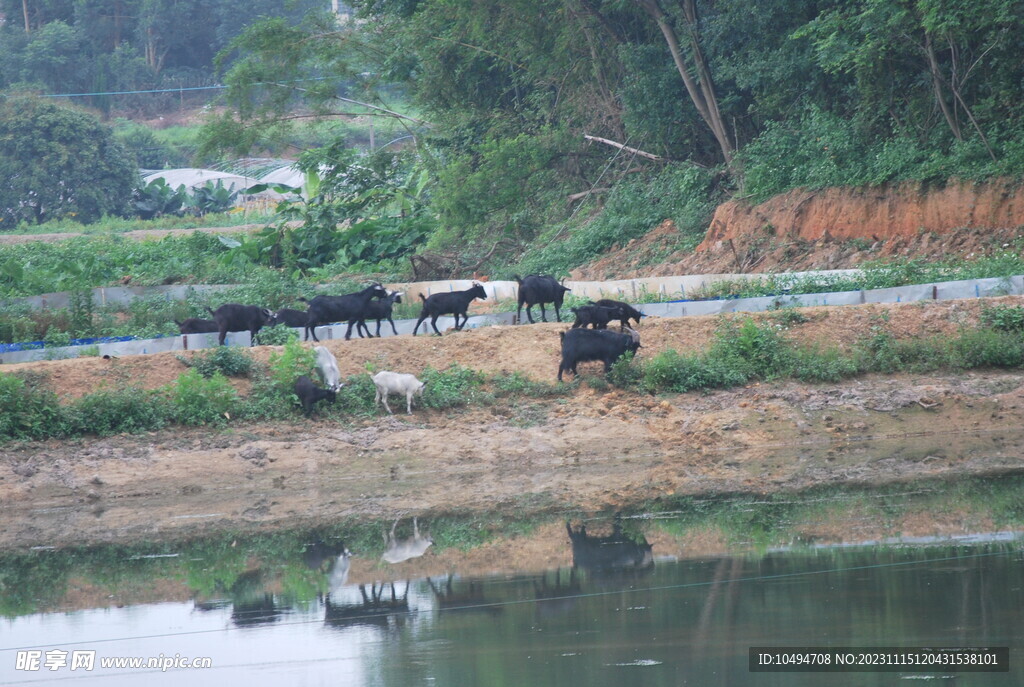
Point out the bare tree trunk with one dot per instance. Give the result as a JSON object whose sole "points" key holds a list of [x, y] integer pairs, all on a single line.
{"points": [[702, 93], [24, 11], [940, 98]]}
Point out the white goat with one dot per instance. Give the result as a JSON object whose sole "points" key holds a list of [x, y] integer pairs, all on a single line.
{"points": [[399, 550], [327, 366], [396, 383]]}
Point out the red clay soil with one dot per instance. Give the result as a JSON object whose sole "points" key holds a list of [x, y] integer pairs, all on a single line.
{"points": [[831, 229]]}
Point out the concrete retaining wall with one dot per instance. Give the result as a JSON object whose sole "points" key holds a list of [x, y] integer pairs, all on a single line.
{"points": [[973, 288]]}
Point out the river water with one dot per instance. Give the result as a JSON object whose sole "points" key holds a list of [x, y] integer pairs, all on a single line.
{"points": [[290, 608]]}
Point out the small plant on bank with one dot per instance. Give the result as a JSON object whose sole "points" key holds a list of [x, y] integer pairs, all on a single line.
{"points": [[290, 363], [452, 387], [198, 401], [1007, 318], [230, 361], [277, 336], [28, 410], [111, 411]]}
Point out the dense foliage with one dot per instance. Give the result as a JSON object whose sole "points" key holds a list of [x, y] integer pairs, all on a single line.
{"points": [[762, 97], [512, 126], [58, 162], [101, 47]]}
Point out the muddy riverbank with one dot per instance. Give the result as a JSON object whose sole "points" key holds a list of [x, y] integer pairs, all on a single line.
{"points": [[595, 451]]}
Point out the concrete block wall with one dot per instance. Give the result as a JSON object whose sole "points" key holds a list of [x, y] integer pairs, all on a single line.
{"points": [[974, 288]]}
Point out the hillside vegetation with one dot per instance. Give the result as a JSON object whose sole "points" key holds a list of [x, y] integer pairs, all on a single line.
{"points": [[535, 136]]}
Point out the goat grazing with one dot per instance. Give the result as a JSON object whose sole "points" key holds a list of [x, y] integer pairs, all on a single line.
{"points": [[454, 303], [235, 317], [537, 290], [398, 550], [309, 393], [327, 367], [396, 383], [597, 315], [628, 311], [197, 325], [379, 309], [586, 345], [291, 317], [325, 309]]}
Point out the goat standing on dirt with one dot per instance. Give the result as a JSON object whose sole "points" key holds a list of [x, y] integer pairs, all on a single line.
{"points": [[455, 303], [396, 383]]}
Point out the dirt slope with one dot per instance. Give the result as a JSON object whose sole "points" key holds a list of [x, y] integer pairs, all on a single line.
{"points": [[830, 229]]}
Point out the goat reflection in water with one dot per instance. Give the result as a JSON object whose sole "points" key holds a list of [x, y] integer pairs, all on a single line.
{"points": [[469, 597], [613, 557], [398, 550], [374, 608]]}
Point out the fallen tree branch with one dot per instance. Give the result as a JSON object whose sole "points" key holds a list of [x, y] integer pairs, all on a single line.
{"points": [[635, 151], [583, 194]]}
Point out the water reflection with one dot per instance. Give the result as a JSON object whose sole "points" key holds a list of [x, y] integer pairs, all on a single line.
{"points": [[373, 608], [611, 558], [292, 608]]}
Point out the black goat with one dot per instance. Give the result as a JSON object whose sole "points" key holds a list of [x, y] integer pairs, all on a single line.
{"points": [[628, 311], [197, 325], [597, 315], [292, 318], [454, 303], [309, 393], [379, 309], [585, 345], [235, 317], [537, 290], [325, 309]]}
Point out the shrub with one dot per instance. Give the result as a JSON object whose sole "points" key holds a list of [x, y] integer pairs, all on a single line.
{"points": [[518, 384], [356, 397], [266, 400], [756, 350], [988, 348], [28, 410], [1008, 318], [230, 361], [198, 401], [829, 365], [115, 411], [277, 336], [454, 386], [292, 362]]}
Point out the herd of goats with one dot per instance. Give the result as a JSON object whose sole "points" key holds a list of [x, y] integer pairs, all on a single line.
{"points": [[579, 344]]}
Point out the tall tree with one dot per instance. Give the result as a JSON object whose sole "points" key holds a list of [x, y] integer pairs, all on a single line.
{"points": [[58, 162], [696, 76]]}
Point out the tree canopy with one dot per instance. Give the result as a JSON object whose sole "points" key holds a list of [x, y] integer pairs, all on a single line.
{"points": [[58, 162]]}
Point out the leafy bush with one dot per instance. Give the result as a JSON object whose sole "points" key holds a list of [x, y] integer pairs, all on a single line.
{"points": [[278, 335], [1007, 318], [452, 387], [28, 410], [230, 361], [518, 384], [198, 401], [266, 400], [988, 348], [756, 350], [356, 397], [211, 198], [115, 411], [290, 363]]}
